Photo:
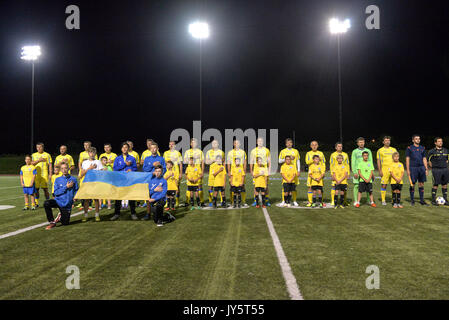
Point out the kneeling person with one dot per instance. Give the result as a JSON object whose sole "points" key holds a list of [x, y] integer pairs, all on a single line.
{"points": [[66, 187]]}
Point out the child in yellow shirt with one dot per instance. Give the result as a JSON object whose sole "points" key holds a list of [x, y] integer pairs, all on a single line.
{"points": [[172, 177], [260, 175], [316, 175], [193, 176], [219, 177], [237, 182]]}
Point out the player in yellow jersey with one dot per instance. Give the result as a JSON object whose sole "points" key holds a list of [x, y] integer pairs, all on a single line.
{"points": [[193, 177], [65, 157], [333, 162], [84, 155], [172, 177], [289, 175], [384, 161], [237, 182], [56, 174], [396, 182], [340, 175], [147, 152], [134, 153], [28, 174], [218, 171], [211, 156], [237, 153], [198, 160], [174, 156], [316, 175], [295, 159], [309, 161], [44, 169], [264, 153], [110, 156], [260, 179]]}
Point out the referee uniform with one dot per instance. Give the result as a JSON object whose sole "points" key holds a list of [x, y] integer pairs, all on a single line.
{"points": [[439, 158], [416, 154]]}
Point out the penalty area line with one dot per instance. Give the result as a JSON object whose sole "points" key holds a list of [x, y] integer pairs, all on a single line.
{"points": [[290, 280]]}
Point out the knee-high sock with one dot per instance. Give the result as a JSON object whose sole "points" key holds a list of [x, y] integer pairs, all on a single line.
{"points": [[356, 191], [421, 193], [294, 194], [444, 193], [434, 194], [187, 196], [210, 195], [398, 198], [310, 196], [177, 198], [333, 195], [412, 193], [201, 195], [383, 193], [243, 194], [283, 196]]}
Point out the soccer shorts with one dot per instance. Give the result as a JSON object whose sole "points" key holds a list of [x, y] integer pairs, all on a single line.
{"points": [[396, 186], [440, 176], [41, 182], [260, 189], [29, 190], [171, 193], [237, 189], [317, 188], [418, 174], [192, 188], [386, 176], [365, 187], [341, 187], [219, 189], [289, 187]]}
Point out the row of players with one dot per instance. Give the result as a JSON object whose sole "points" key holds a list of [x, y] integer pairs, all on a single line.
{"points": [[390, 170]]}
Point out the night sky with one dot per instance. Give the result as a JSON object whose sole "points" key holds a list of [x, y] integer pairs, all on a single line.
{"points": [[132, 71]]}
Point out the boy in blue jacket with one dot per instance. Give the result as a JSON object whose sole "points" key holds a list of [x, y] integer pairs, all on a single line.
{"points": [[154, 160], [158, 191], [66, 187]]}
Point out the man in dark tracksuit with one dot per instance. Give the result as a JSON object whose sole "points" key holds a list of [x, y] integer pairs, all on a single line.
{"points": [[438, 158], [125, 162], [66, 187], [416, 165]]}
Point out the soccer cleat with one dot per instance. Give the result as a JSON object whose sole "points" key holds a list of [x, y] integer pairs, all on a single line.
{"points": [[264, 206], [211, 204], [25, 208], [320, 205], [223, 204], [400, 206], [314, 205], [97, 218], [257, 206], [166, 209], [423, 203], [84, 219], [373, 205], [245, 205], [289, 205], [115, 217], [295, 204], [103, 206], [357, 205], [384, 203], [33, 208], [109, 207], [285, 205], [146, 217], [412, 203], [50, 226], [434, 203], [160, 223], [309, 205], [198, 207], [282, 203], [341, 206], [395, 205], [268, 204], [134, 217], [192, 208], [254, 204]]}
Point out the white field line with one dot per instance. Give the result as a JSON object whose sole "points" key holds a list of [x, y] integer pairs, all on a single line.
{"points": [[290, 280], [10, 234]]}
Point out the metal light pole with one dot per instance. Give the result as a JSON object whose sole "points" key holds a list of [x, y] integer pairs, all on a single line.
{"points": [[339, 27], [31, 53], [200, 31]]}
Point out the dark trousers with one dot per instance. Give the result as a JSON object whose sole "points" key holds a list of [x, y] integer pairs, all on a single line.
{"points": [[118, 205], [157, 209], [65, 212]]}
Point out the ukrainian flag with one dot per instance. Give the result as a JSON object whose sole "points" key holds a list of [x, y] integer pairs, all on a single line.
{"points": [[115, 185]]}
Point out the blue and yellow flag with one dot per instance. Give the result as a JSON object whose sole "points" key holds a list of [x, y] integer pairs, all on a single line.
{"points": [[115, 185]]}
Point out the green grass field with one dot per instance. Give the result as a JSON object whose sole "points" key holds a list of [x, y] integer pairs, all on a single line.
{"points": [[228, 254]]}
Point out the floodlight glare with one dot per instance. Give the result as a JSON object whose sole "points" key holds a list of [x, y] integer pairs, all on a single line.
{"points": [[336, 26], [199, 30], [30, 52]]}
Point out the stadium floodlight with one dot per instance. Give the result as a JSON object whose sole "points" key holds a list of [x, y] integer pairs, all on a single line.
{"points": [[337, 27], [31, 53], [199, 30]]}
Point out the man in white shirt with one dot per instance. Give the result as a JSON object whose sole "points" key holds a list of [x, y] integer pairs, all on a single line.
{"points": [[91, 164]]}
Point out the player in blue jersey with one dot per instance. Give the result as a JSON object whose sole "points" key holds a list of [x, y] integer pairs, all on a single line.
{"points": [[416, 164]]}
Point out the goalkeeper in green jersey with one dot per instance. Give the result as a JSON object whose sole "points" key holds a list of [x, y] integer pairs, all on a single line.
{"points": [[356, 157]]}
